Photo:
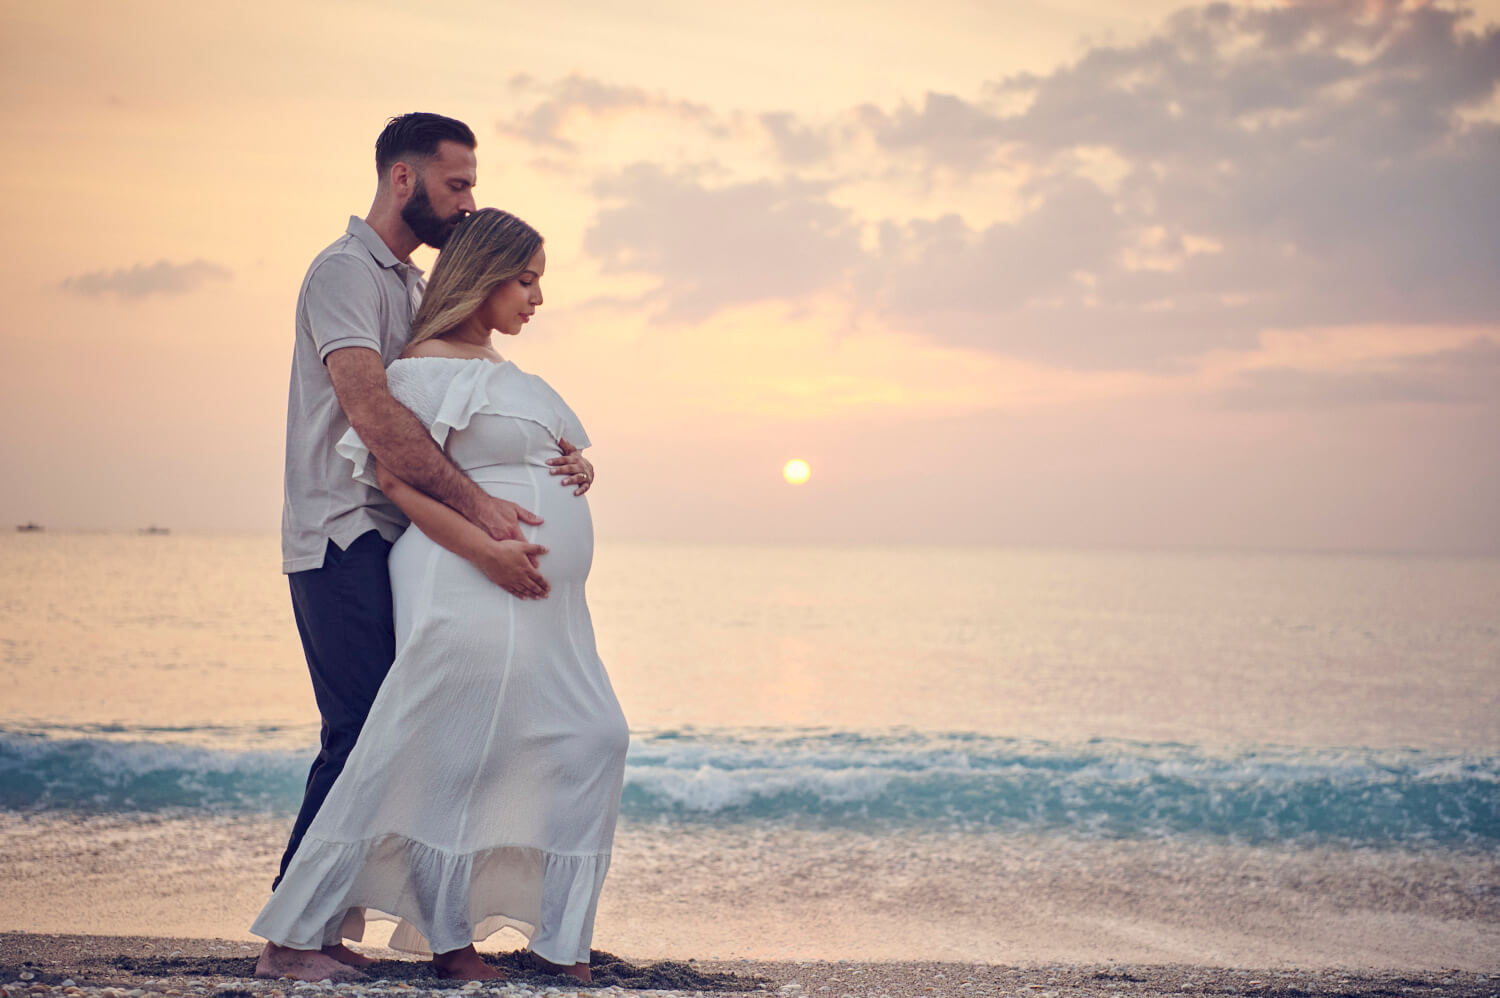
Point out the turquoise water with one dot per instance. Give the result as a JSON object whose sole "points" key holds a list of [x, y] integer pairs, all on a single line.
{"points": [[849, 780]]}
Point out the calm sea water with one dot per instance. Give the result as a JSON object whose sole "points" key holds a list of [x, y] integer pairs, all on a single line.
{"points": [[840, 699]]}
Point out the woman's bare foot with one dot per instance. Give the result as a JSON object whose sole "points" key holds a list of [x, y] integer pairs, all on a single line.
{"points": [[580, 971], [347, 956], [465, 965], [302, 965]]}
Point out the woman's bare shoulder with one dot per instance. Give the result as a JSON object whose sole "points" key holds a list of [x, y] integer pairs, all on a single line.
{"points": [[436, 347]]}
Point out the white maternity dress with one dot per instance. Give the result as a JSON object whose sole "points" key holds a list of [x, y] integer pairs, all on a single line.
{"points": [[484, 787]]}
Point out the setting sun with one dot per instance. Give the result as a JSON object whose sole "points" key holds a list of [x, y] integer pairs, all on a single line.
{"points": [[796, 472]]}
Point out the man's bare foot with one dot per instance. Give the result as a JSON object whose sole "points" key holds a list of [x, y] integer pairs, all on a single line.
{"points": [[465, 965], [580, 971], [302, 965], [347, 956]]}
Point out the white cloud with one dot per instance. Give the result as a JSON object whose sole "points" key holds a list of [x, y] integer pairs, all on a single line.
{"points": [[1461, 375], [161, 277], [545, 122], [1243, 168], [712, 247]]}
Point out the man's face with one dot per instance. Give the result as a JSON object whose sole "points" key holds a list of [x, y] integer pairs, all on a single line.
{"points": [[443, 193]]}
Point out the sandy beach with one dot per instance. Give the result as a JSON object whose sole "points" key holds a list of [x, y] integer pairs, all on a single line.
{"points": [[787, 895], [47, 964]]}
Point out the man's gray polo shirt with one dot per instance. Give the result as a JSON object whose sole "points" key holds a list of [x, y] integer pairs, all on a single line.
{"points": [[355, 294]]}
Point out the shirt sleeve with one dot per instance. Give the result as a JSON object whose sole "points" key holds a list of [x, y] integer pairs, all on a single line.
{"points": [[343, 306]]}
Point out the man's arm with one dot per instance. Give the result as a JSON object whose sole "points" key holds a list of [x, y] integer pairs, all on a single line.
{"points": [[400, 442], [511, 565]]}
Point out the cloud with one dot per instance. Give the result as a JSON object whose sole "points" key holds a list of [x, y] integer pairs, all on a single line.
{"points": [[1306, 164], [545, 122], [935, 269], [1318, 149], [161, 277], [716, 246], [946, 130], [1466, 374], [796, 142]]}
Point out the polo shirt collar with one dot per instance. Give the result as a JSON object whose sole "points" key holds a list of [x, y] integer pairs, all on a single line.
{"points": [[370, 239]]}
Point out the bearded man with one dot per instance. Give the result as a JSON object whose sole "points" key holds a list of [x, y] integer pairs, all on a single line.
{"points": [[353, 318]]}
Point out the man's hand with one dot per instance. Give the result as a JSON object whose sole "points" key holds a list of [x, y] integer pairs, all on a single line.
{"points": [[511, 565], [574, 465], [501, 518]]}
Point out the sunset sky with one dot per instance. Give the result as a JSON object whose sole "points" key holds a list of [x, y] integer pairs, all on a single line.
{"points": [[1019, 273]]}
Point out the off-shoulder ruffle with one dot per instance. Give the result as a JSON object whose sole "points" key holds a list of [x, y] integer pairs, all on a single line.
{"points": [[447, 392]]}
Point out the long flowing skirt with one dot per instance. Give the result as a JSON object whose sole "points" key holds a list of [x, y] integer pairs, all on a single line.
{"points": [[484, 788]]}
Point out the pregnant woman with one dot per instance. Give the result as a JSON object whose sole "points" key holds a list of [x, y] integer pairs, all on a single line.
{"points": [[484, 787]]}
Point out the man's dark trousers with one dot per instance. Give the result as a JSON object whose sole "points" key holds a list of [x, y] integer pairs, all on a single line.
{"points": [[348, 633]]}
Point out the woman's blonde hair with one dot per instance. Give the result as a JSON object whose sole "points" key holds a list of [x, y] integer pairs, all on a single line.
{"points": [[487, 248]]}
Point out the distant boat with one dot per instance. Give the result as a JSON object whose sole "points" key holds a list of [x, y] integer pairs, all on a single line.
{"points": [[29, 528], [154, 529]]}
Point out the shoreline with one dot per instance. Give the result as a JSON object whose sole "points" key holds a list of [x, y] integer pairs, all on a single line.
{"points": [[116, 966], [783, 896]]}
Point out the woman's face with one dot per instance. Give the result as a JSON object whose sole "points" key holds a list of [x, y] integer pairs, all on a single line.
{"points": [[507, 308]]}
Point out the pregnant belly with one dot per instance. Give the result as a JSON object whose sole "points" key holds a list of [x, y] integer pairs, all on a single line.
{"points": [[567, 528]]}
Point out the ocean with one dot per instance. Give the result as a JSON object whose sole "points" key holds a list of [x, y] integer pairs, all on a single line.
{"points": [[837, 752]]}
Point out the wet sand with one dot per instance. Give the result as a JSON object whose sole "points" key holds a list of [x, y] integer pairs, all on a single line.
{"points": [[781, 896], [138, 966]]}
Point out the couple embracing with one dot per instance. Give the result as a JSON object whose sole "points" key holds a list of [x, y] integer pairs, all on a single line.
{"points": [[472, 749]]}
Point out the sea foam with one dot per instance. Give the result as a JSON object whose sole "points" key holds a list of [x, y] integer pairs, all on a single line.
{"points": [[1108, 789]]}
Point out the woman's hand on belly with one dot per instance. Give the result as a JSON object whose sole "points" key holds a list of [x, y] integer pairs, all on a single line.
{"points": [[509, 563], [578, 469], [512, 566]]}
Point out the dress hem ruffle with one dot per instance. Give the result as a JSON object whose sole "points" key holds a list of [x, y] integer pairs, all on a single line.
{"points": [[440, 900]]}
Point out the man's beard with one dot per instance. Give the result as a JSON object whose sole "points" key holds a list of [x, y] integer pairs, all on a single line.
{"points": [[424, 223]]}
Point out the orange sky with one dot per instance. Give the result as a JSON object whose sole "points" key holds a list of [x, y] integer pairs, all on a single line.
{"points": [[1036, 273]]}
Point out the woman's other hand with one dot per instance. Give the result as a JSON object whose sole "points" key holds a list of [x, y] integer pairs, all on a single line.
{"points": [[574, 465], [511, 565]]}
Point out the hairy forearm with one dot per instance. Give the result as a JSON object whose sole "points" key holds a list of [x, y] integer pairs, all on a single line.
{"points": [[402, 444], [444, 525]]}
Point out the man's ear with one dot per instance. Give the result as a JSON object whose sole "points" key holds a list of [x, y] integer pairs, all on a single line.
{"points": [[403, 179]]}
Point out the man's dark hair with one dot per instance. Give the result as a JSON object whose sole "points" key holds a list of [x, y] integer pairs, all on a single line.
{"points": [[417, 135]]}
